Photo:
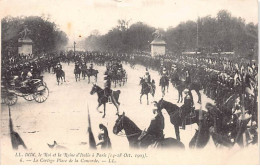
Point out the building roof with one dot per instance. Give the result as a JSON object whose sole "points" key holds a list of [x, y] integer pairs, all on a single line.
{"points": [[158, 42]]}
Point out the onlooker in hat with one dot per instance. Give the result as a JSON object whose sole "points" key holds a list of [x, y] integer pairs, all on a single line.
{"points": [[187, 107], [104, 137]]}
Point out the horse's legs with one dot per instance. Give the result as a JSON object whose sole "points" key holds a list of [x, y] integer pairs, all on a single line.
{"points": [[99, 104], [115, 103], [177, 132], [58, 81], [141, 98], [104, 104], [147, 99], [88, 79], [199, 96], [76, 77], [179, 96]]}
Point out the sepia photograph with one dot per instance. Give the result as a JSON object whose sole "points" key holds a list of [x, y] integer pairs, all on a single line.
{"points": [[129, 82]]}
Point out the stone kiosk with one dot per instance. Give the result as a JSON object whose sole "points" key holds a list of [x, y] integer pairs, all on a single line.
{"points": [[25, 43], [158, 45]]}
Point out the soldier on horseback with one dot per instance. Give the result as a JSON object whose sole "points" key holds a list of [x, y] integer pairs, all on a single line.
{"points": [[164, 72], [147, 79], [59, 66], [76, 65], [188, 106], [187, 78], [91, 68], [107, 86], [155, 130]]}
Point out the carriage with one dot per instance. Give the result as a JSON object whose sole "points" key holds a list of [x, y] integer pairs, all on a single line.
{"points": [[36, 90], [118, 76]]}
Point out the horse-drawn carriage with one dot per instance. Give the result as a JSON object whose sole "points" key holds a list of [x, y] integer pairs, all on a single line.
{"points": [[35, 89], [118, 75]]}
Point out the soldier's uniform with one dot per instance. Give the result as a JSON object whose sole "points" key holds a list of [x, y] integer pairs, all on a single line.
{"points": [[107, 86], [91, 67], [187, 107], [155, 130]]}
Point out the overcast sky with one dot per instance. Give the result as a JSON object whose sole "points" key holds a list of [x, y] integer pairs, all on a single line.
{"points": [[81, 17]]}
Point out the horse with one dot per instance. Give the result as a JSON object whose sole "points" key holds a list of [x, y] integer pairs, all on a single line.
{"points": [[146, 89], [90, 73], [60, 76], [180, 85], [164, 82], [77, 72], [102, 99], [174, 112], [133, 132]]}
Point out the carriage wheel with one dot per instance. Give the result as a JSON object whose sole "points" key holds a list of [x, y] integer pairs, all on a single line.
{"points": [[44, 84], [41, 94], [11, 99], [29, 97]]}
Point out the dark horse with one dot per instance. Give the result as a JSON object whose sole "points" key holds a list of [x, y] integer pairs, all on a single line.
{"points": [[175, 115], [90, 73], [146, 89], [102, 99], [164, 82], [60, 76], [181, 85], [77, 72], [132, 133]]}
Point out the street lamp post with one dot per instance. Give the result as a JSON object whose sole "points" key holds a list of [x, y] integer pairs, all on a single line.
{"points": [[74, 45]]}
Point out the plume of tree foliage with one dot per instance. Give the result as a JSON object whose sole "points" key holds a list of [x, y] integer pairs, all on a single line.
{"points": [[223, 33], [45, 35]]}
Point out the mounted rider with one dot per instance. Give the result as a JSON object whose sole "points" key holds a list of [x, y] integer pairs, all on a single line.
{"points": [[107, 86], [147, 76], [154, 132], [187, 107], [187, 78], [147, 80], [59, 66], [91, 68], [164, 72], [76, 65]]}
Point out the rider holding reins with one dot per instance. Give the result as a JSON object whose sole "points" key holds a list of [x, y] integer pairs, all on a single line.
{"points": [[107, 86]]}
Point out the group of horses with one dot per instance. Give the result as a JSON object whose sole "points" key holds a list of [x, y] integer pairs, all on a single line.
{"points": [[84, 71], [208, 123], [117, 75]]}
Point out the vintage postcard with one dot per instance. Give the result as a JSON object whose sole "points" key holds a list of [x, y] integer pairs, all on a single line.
{"points": [[116, 82]]}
